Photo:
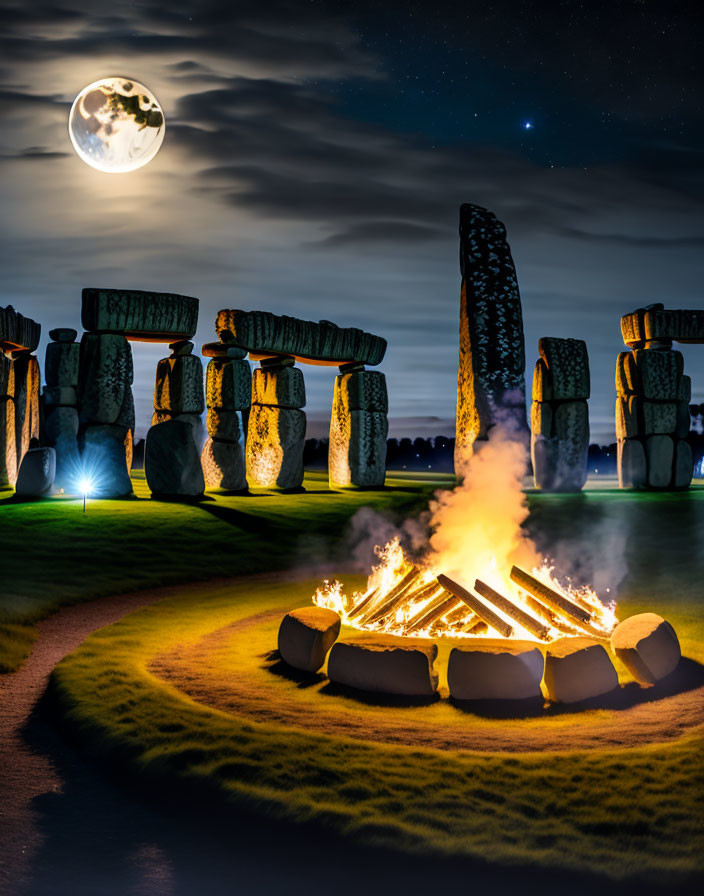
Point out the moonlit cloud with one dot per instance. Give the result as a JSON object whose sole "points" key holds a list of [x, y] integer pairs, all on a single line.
{"points": [[269, 193]]}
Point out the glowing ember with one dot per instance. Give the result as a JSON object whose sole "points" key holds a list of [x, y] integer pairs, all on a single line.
{"points": [[468, 583]]}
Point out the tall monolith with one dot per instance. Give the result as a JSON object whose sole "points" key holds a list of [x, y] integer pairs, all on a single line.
{"points": [[491, 378]]}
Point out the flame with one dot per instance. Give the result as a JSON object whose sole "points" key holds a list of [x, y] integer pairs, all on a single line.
{"points": [[476, 534]]}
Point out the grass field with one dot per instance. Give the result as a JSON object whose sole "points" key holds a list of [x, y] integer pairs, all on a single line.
{"points": [[53, 554], [622, 812]]}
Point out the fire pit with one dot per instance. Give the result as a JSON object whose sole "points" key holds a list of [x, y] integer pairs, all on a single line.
{"points": [[480, 586], [521, 636]]}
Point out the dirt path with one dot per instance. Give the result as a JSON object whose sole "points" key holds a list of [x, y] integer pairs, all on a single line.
{"points": [[64, 828], [26, 773]]}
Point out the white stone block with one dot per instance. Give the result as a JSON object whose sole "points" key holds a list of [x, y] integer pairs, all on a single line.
{"points": [[495, 672], [647, 646], [306, 635], [577, 669], [383, 667]]}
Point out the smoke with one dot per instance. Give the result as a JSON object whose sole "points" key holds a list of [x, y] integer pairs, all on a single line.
{"points": [[467, 532], [477, 527], [594, 551], [368, 529], [483, 526]]}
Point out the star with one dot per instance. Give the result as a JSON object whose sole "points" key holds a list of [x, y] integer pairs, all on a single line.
{"points": [[528, 125]]}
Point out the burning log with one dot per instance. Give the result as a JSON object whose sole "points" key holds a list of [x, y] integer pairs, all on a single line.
{"points": [[547, 595], [510, 609], [395, 597], [407, 599], [436, 610], [363, 604], [460, 616], [477, 606]]}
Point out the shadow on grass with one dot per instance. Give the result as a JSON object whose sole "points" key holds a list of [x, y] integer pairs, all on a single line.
{"points": [[283, 670], [368, 698], [688, 676], [107, 830], [249, 522]]}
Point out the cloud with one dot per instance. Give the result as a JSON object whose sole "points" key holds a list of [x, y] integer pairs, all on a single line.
{"points": [[376, 232], [269, 192]]}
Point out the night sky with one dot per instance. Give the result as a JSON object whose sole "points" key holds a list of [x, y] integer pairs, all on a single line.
{"points": [[316, 155]]}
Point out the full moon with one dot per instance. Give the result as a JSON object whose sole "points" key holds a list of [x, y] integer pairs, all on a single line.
{"points": [[116, 125]]}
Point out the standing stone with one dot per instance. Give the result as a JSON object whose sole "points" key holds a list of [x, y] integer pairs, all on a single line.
{"points": [[172, 462], [684, 465], [228, 384], [5, 375], [61, 433], [26, 379], [36, 473], [659, 452], [560, 424], [8, 443], [659, 417], [541, 418], [357, 453], [358, 431], [105, 372], [568, 363], [544, 457], [632, 468], [274, 450], [659, 373], [627, 416], [179, 385], [61, 363], [60, 405], [650, 408], [683, 420], [277, 427], [283, 387], [684, 392], [126, 420], [7, 424], [542, 382], [104, 460], [627, 377], [228, 391], [178, 399], [571, 429], [59, 397], [491, 378], [224, 425], [224, 465]]}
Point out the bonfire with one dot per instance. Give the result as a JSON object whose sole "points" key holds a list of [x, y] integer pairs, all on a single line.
{"points": [[472, 580]]}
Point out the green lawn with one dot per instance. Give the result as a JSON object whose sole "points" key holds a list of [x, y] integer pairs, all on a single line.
{"points": [[53, 554], [623, 812]]}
